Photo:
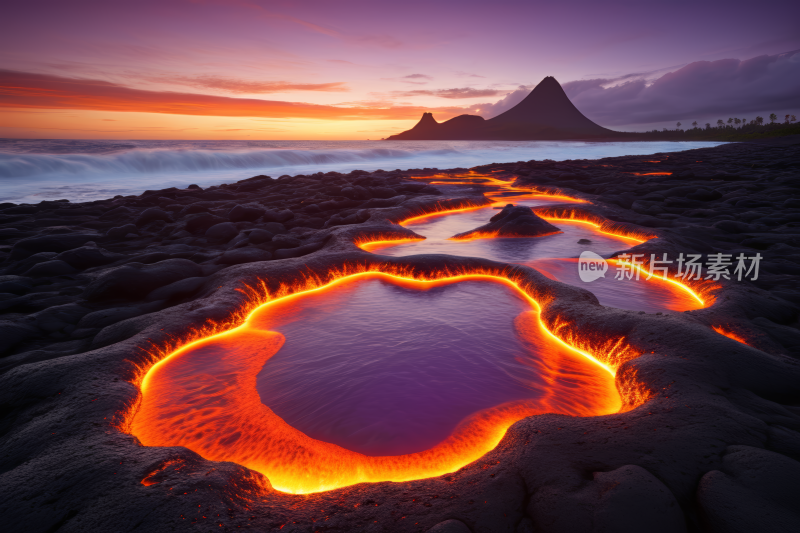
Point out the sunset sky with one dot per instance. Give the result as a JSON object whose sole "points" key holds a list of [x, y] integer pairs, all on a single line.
{"points": [[249, 69]]}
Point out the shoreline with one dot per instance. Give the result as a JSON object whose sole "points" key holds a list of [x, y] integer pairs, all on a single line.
{"points": [[90, 170]]}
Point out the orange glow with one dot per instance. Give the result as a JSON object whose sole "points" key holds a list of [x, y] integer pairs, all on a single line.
{"points": [[633, 392], [682, 286], [601, 224], [651, 173], [700, 290], [374, 242], [25, 90], [439, 210], [527, 193], [149, 479], [370, 245], [55, 107], [730, 334], [219, 414]]}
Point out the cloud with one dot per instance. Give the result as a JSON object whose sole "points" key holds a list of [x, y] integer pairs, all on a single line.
{"points": [[701, 89], [383, 103], [511, 99], [382, 41], [410, 79], [468, 75], [22, 90], [234, 85], [464, 92]]}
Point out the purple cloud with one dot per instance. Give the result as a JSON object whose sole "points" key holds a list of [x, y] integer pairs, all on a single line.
{"points": [[488, 111], [728, 87]]}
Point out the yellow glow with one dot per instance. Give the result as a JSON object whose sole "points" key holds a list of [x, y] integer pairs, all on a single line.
{"points": [[83, 124], [678, 284], [593, 224]]}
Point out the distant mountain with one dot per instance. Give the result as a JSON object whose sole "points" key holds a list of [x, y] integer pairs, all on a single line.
{"points": [[545, 114]]}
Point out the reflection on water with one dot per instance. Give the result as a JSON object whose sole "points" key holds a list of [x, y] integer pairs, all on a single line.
{"points": [[385, 370], [638, 295], [553, 255]]}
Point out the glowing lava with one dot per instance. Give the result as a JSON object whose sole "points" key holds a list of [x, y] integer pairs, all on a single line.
{"points": [[730, 334], [544, 252], [203, 396], [555, 255], [652, 173]]}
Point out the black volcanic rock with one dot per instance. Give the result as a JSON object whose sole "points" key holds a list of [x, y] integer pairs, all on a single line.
{"points": [[546, 113], [135, 280], [87, 257], [49, 243], [512, 221]]}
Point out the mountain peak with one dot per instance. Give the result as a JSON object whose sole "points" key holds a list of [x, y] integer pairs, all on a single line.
{"points": [[546, 113]]}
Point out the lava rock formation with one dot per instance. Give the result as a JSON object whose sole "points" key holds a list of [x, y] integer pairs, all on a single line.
{"points": [[512, 221]]}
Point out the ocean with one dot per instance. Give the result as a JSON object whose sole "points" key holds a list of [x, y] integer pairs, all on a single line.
{"points": [[32, 170]]}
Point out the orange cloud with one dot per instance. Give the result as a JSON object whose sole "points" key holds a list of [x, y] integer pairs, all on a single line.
{"points": [[244, 86], [22, 90], [465, 92]]}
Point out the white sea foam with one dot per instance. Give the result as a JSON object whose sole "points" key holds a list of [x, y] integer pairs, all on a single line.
{"points": [[35, 170]]}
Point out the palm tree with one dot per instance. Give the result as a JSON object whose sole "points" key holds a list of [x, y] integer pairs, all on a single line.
{"points": [[737, 121], [786, 118], [759, 120], [708, 125], [793, 118], [694, 124], [679, 124], [772, 118], [730, 120], [720, 123]]}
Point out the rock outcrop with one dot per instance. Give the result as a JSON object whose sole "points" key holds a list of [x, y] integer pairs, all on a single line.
{"points": [[512, 221]]}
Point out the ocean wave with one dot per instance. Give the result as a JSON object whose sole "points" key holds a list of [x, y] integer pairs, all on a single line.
{"points": [[32, 170], [160, 161]]}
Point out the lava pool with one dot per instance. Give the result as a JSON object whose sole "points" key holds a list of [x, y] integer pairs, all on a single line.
{"points": [[371, 378], [556, 256]]}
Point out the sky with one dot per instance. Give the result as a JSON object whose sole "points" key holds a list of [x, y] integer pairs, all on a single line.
{"points": [[304, 70]]}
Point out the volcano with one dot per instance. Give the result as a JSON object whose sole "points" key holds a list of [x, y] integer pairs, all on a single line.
{"points": [[545, 114]]}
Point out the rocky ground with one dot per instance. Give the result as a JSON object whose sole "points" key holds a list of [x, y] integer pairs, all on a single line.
{"points": [[67, 268], [87, 289]]}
